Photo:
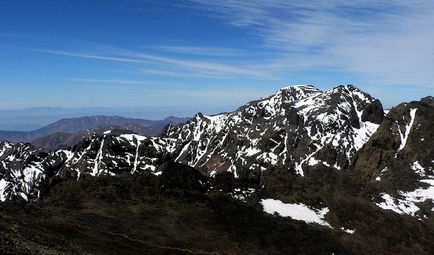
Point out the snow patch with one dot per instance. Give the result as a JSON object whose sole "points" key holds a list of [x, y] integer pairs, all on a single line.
{"points": [[295, 211], [418, 168], [397, 205], [349, 231], [407, 205]]}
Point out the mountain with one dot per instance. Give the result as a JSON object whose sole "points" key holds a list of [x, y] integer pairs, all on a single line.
{"points": [[298, 127], [70, 131], [302, 171]]}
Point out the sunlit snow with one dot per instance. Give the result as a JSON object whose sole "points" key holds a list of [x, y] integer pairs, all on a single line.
{"points": [[295, 211]]}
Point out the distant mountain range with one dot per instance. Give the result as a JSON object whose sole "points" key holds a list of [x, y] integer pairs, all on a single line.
{"points": [[29, 119], [71, 131]]}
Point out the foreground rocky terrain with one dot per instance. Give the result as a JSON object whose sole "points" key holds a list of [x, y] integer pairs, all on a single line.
{"points": [[303, 171]]}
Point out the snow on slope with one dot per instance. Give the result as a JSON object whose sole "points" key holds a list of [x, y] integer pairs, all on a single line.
{"points": [[407, 202]]}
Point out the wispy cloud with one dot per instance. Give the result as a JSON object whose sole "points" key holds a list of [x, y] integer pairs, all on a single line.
{"points": [[200, 67], [182, 74], [391, 42], [112, 81], [203, 51], [226, 93], [9, 35], [89, 56]]}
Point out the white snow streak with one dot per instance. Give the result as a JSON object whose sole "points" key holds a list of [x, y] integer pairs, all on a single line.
{"points": [[98, 158], [136, 158], [3, 185], [408, 127]]}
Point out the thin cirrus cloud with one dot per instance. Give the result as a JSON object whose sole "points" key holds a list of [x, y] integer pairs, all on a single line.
{"points": [[88, 56], [175, 73], [200, 66], [9, 35], [389, 42], [202, 51], [109, 81], [206, 68], [228, 93]]}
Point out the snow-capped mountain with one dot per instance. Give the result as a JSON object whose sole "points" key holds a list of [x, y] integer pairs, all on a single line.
{"points": [[299, 127]]}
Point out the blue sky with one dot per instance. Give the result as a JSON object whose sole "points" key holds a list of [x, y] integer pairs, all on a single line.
{"points": [[209, 53]]}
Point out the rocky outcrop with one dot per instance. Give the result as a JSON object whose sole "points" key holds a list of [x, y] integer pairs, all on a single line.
{"points": [[399, 159]]}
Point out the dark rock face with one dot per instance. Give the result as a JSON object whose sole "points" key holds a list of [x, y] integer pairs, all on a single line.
{"points": [[373, 112], [181, 180]]}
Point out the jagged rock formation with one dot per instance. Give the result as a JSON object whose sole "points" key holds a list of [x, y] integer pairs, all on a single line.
{"points": [[23, 169]]}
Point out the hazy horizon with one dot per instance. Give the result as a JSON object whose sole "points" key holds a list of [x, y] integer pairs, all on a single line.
{"points": [[32, 118], [29, 119]]}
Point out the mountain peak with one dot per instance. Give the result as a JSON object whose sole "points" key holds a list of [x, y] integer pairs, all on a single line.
{"points": [[299, 91], [299, 86]]}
